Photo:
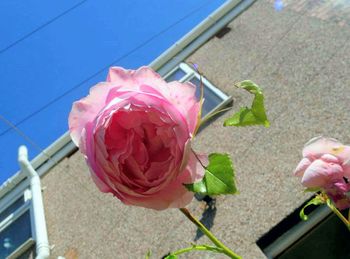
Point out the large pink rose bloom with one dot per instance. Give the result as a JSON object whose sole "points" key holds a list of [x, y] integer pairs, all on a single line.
{"points": [[326, 165], [135, 131]]}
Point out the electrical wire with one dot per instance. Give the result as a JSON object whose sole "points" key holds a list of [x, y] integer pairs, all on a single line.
{"points": [[27, 138], [104, 68], [41, 26]]}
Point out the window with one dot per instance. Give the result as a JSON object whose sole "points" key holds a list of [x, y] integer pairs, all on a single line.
{"points": [[11, 208], [329, 239], [18, 231], [215, 99], [323, 235], [16, 234]]}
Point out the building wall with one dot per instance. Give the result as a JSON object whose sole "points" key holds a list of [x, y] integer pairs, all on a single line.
{"points": [[302, 63]]}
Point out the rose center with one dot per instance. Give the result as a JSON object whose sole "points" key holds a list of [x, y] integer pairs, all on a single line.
{"points": [[142, 145]]}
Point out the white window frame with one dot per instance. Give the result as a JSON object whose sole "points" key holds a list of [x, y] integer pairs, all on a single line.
{"points": [[190, 73], [295, 233], [22, 249], [21, 190]]}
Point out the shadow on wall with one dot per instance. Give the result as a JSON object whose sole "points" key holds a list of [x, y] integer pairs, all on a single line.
{"points": [[208, 214]]}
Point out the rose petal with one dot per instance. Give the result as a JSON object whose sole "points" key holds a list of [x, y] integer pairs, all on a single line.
{"points": [[100, 184], [186, 155], [304, 163], [146, 75], [86, 110], [174, 195], [320, 174], [195, 166], [132, 79], [338, 192], [346, 168], [319, 146], [182, 95], [120, 76], [329, 158], [95, 171]]}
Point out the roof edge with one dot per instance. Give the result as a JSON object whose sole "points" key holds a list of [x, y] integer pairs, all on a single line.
{"points": [[59, 149]]}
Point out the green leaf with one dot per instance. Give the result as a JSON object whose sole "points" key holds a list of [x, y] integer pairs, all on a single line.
{"points": [[315, 189], [255, 115], [148, 255], [171, 257], [315, 201], [218, 179]]}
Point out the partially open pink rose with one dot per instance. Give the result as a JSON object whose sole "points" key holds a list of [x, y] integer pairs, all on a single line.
{"points": [[326, 165], [135, 131]]}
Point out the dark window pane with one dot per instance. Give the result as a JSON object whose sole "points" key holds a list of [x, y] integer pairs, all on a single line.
{"points": [[197, 83], [176, 75], [18, 203], [330, 239], [211, 100], [30, 253], [15, 235]]}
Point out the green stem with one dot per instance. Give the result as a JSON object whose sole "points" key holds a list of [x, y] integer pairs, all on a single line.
{"points": [[338, 213], [201, 103], [202, 122], [199, 248], [205, 231]]}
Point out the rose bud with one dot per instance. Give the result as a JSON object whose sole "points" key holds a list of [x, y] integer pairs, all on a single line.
{"points": [[326, 165]]}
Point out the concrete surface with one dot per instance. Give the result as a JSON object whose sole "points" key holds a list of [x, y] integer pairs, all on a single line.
{"points": [[302, 61]]}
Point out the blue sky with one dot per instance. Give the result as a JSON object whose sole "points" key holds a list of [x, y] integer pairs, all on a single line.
{"points": [[52, 52]]}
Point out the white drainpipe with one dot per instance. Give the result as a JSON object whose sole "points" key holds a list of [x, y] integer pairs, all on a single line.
{"points": [[42, 242]]}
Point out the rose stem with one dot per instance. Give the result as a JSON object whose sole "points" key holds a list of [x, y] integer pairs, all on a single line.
{"points": [[199, 248], [205, 231], [202, 122], [338, 213]]}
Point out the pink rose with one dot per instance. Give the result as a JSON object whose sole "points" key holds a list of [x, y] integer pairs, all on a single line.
{"points": [[326, 165], [135, 131]]}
